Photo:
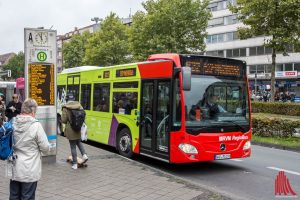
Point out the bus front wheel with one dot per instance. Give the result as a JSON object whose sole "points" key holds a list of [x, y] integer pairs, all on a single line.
{"points": [[125, 143]]}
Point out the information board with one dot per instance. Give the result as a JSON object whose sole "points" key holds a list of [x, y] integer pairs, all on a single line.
{"points": [[201, 67], [126, 72], [41, 83]]}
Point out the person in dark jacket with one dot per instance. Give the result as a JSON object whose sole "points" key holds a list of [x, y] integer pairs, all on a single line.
{"points": [[13, 108], [74, 137]]}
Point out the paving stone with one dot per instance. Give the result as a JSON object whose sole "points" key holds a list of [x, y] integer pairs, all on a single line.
{"points": [[107, 177]]}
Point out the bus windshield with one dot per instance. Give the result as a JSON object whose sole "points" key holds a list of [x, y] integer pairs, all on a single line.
{"points": [[214, 102]]}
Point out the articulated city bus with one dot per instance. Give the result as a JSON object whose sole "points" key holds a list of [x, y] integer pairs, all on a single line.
{"points": [[175, 108]]}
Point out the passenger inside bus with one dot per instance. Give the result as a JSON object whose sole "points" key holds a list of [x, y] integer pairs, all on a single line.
{"points": [[213, 106]]}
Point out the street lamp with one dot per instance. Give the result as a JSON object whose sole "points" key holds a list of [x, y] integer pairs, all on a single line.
{"points": [[96, 19]]}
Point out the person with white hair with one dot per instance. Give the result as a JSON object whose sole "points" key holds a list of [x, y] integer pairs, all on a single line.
{"points": [[30, 142]]}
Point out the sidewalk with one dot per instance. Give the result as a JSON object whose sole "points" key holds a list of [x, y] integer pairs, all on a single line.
{"points": [[108, 176]]}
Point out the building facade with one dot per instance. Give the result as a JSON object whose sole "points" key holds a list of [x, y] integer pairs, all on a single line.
{"points": [[223, 41]]}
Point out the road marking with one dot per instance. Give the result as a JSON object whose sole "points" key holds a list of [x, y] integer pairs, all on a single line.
{"points": [[287, 171], [237, 160]]}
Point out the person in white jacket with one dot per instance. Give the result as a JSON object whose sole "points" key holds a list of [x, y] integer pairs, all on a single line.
{"points": [[30, 141]]}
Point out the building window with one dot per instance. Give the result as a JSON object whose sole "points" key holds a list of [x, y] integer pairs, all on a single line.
{"points": [[224, 37], [243, 52], [260, 50], [288, 67], [260, 69], [252, 51], [252, 69], [297, 67], [236, 52], [229, 53], [101, 97], [216, 22], [86, 96], [215, 53], [279, 67]]}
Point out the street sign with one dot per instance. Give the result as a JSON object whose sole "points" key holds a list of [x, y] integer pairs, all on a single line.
{"points": [[40, 79]]}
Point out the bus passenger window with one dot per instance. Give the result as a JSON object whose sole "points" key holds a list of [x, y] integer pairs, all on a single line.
{"points": [[124, 102], [101, 97], [86, 96]]}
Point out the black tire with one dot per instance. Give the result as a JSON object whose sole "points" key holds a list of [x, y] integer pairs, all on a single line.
{"points": [[124, 143]]}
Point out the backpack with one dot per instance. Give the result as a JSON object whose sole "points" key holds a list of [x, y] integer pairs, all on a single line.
{"points": [[6, 141], [77, 119]]}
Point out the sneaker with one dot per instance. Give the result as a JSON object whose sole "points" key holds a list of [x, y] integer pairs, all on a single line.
{"points": [[74, 166], [85, 158]]}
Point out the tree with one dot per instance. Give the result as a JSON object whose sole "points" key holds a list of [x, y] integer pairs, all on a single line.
{"points": [[277, 20], [74, 51], [177, 26], [16, 64], [109, 45]]}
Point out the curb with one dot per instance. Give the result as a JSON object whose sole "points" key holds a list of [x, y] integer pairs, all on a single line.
{"points": [[207, 192], [277, 146]]}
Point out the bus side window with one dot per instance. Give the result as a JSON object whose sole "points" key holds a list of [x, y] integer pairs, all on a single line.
{"points": [[124, 102], [86, 96], [101, 97]]}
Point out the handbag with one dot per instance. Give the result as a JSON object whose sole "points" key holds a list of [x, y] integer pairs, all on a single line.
{"points": [[83, 132]]}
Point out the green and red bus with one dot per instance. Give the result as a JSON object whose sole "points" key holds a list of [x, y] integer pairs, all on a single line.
{"points": [[175, 108]]}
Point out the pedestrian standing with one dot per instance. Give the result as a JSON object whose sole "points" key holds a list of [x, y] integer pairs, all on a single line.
{"points": [[2, 110], [30, 141], [13, 108], [73, 134]]}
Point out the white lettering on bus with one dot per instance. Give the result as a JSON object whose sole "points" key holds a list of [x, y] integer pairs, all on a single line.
{"points": [[232, 138]]}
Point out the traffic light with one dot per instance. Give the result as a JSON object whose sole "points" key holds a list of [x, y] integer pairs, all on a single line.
{"points": [[8, 73]]}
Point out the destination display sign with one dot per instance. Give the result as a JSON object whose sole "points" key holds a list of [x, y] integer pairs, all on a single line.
{"points": [[202, 67], [41, 83], [126, 72]]}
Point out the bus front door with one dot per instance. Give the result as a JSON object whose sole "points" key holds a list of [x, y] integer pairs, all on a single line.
{"points": [[155, 126]]}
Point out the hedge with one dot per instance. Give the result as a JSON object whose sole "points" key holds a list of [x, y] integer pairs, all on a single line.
{"points": [[280, 108], [274, 126]]}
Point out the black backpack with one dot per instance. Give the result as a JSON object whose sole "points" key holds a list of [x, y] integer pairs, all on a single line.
{"points": [[77, 119]]}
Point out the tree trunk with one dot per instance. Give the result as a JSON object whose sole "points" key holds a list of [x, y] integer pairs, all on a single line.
{"points": [[273, 75]]}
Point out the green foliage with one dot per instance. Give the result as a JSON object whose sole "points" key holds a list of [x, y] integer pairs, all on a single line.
{"points": [[287, 141], [292, 109], [176, 26], [74, 51], [16, 65], [108, 46], [273, 126]]}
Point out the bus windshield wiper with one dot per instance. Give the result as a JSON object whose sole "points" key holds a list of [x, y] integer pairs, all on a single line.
{"points": [[235, 124]]}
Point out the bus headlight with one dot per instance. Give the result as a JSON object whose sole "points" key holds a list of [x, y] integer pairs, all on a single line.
{"points": [[187, 148], [247, 145]]}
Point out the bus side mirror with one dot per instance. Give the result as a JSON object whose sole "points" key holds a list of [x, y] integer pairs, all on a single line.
{"points": [[186, 78]]}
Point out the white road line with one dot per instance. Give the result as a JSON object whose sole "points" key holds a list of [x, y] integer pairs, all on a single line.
{"points": [[237, 160], [287, 171]]}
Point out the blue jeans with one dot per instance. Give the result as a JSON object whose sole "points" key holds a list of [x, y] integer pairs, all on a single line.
{"points": [[73, 144], [22, 190]]}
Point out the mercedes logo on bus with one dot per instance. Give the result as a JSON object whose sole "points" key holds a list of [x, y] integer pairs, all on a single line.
{"points": [[223, 147]]}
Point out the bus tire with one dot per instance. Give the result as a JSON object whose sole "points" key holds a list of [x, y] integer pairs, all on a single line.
{"points": [[124, 143]]}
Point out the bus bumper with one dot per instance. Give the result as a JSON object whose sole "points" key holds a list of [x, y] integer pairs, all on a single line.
{"points": [[209, 146]]}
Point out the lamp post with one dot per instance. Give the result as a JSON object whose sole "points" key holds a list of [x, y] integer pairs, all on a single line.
{"points": [[96, 19]]}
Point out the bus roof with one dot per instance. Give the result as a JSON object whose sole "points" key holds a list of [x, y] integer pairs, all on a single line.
{"points": [[89, 68], [79, 69]]}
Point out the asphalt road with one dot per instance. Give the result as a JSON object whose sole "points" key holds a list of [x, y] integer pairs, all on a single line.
{"points": [[251, 178]]}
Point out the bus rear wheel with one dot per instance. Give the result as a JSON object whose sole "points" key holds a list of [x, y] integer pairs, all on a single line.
{"points": [[125, 143]]}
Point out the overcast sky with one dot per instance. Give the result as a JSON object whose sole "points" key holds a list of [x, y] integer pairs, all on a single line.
{"points": [[63, 15]]}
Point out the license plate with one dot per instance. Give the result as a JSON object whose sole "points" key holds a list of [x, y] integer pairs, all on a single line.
{"points": [[222, 156]]}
